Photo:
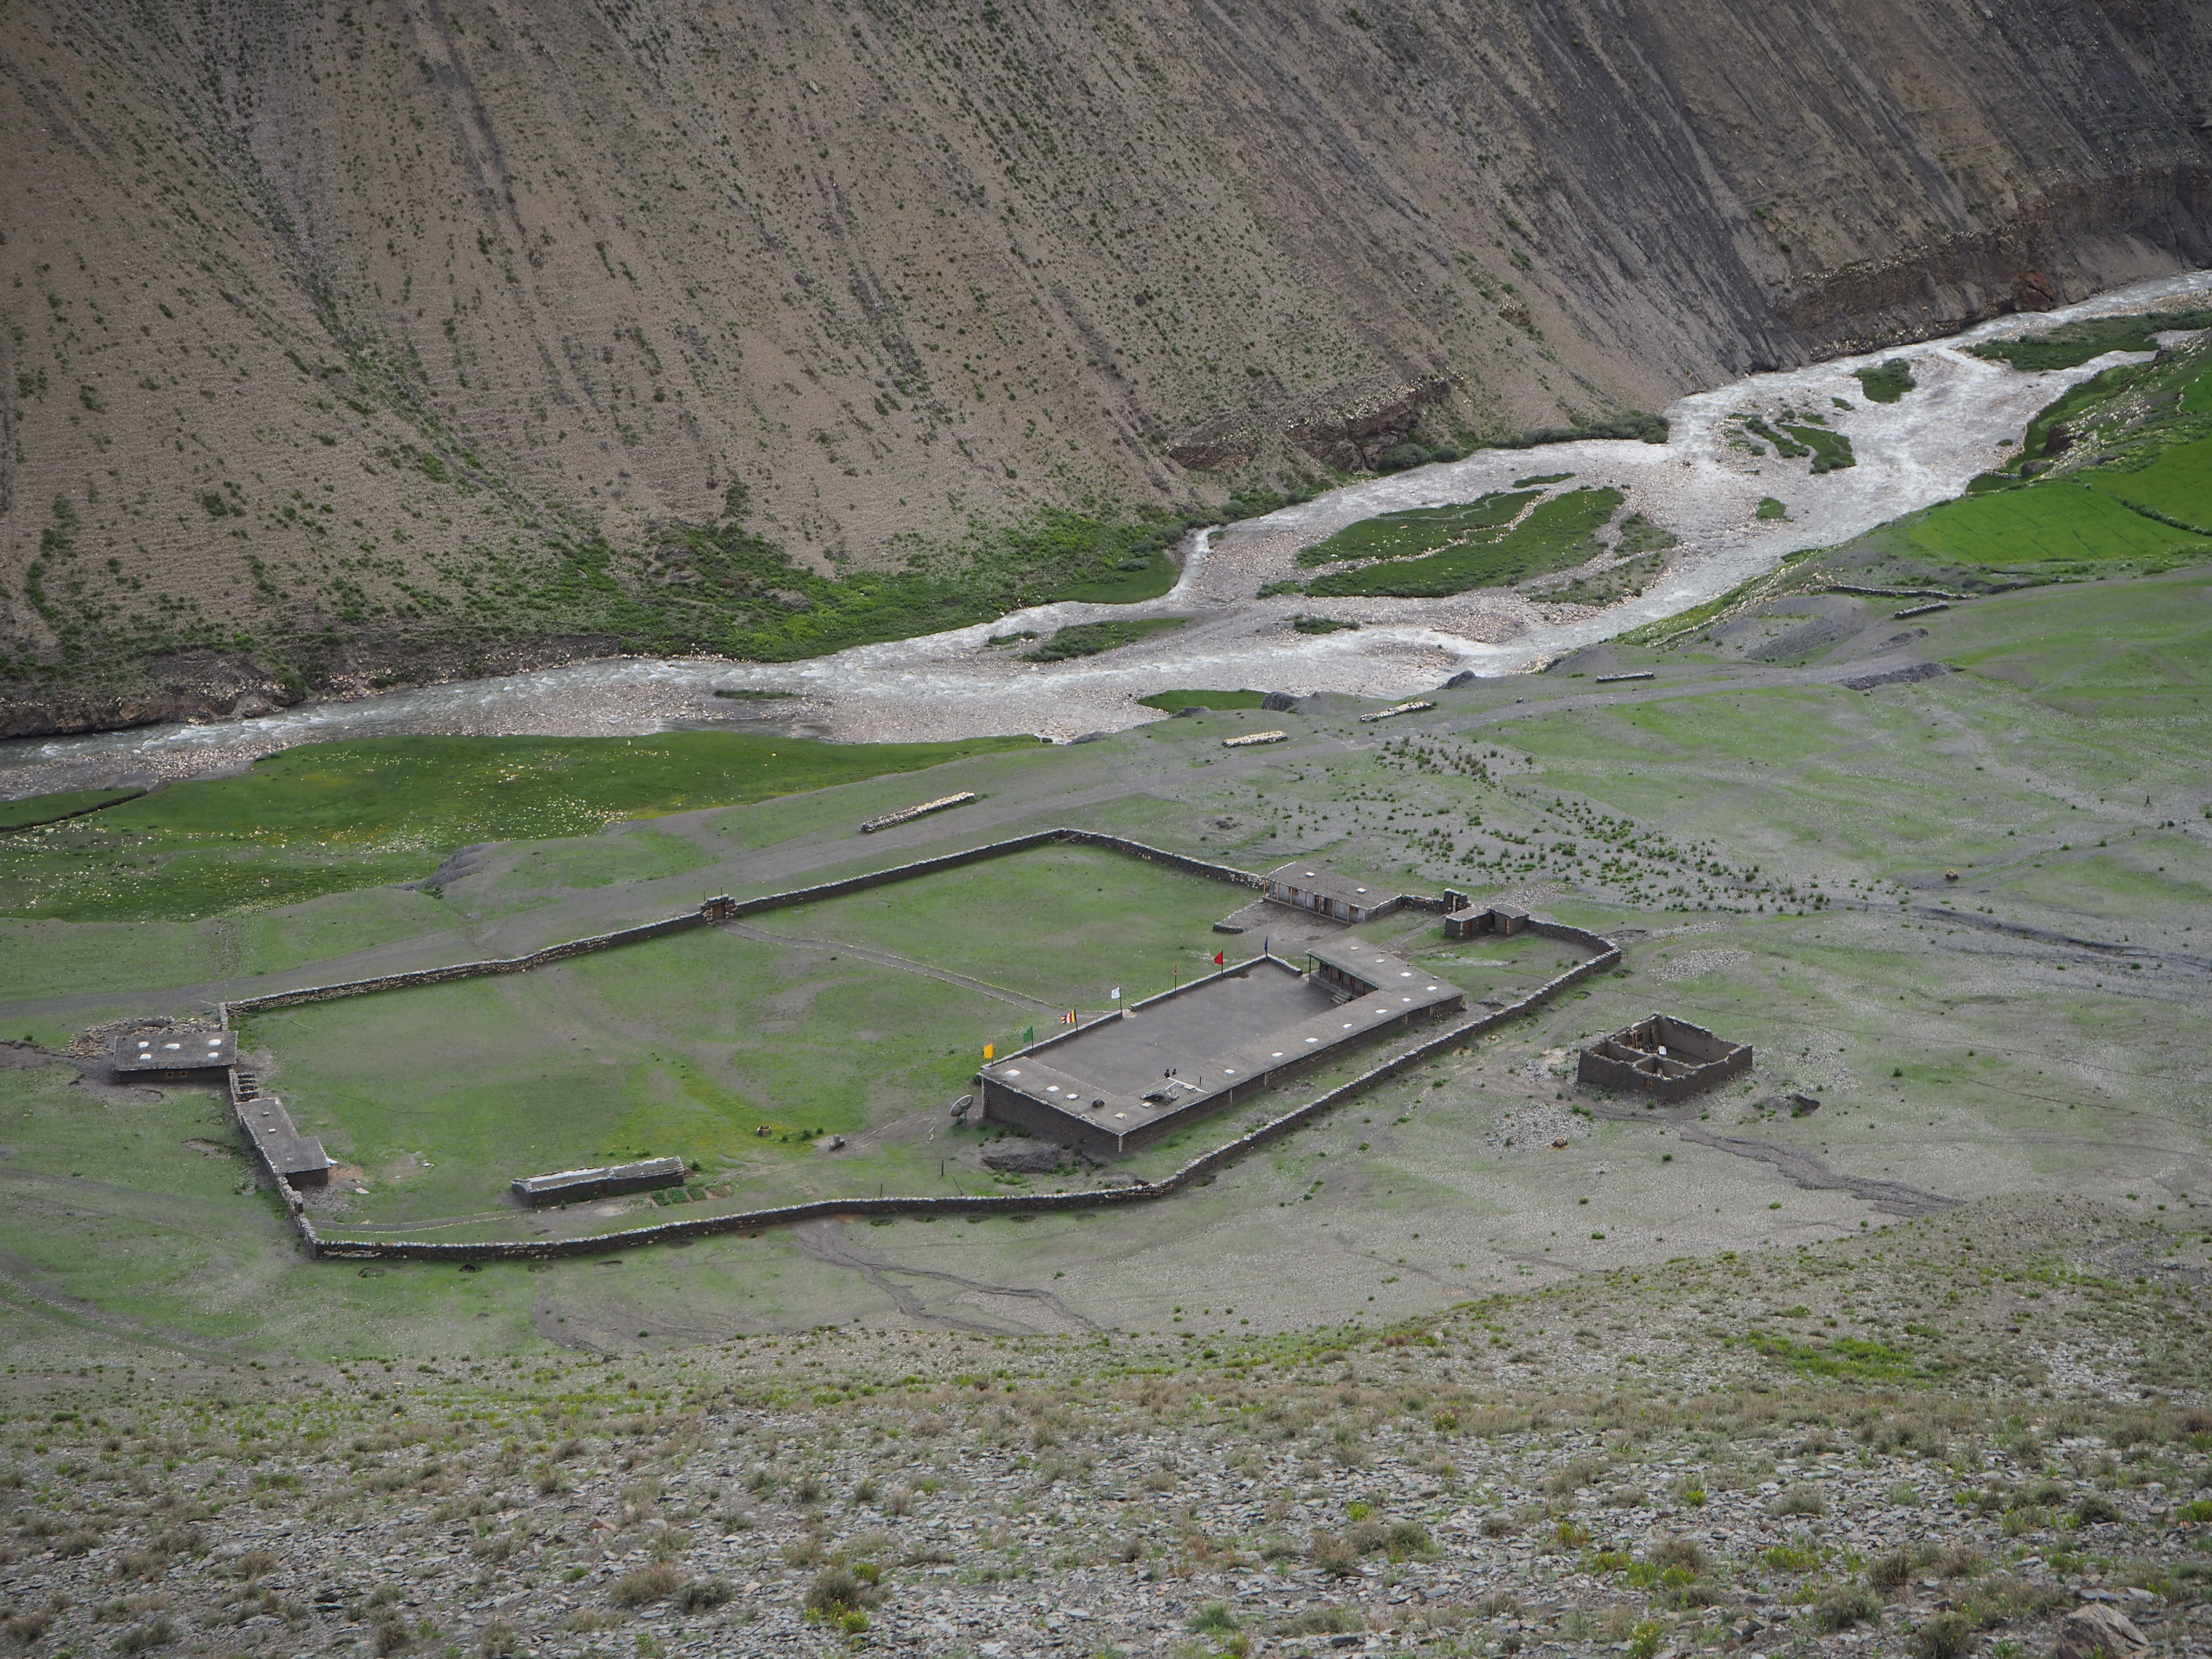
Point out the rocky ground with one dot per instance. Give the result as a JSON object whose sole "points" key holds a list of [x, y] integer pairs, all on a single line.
{"points": [[1952, 1435]]}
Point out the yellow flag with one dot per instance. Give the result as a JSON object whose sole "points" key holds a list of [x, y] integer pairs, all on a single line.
{"points": [[987, 1047]]}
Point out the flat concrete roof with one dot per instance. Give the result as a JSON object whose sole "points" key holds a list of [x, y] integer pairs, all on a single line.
{"points": [[1368, 964], [1222, 1035], [1313, 878], [163, 1051]]}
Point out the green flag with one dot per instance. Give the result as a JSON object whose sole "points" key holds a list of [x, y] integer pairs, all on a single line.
{"points": [[1029, 1037]]}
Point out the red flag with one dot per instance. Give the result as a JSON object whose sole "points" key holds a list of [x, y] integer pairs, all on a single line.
{"points": [[1216, 959]]}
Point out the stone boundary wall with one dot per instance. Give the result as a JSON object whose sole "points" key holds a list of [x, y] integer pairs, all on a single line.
{"points": [[1606, 957], [551, 953], [726, 909]]}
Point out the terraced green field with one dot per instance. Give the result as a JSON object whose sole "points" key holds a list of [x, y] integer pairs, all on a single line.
{"points": [[2057, 523], [2178, 484]]}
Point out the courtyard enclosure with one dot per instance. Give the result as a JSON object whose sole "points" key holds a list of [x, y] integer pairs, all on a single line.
{"points": [[486, 1061]]}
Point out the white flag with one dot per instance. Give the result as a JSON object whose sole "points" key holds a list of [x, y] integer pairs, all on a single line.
{"points": [[1115, 994]]}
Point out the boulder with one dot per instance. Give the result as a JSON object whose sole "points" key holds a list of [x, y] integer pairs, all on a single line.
{"points": [[2096, 1631], [2034, 291], [1279, 702]]}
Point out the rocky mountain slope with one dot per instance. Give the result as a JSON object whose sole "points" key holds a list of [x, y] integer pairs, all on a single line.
{"points": [[356, 341], [1938, 1451]]}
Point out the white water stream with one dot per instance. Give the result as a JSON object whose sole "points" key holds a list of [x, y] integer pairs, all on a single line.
{"points": [[1920, 450]]}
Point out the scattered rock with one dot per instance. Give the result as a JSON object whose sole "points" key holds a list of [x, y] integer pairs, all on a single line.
{"points": [[1021, 1156], [1279, 702], [1919, 670], [2095, 1631], [1190, 709]]}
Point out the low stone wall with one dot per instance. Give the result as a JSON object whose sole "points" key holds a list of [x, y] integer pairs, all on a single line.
{"points": [[724, 908], [551, 953]]}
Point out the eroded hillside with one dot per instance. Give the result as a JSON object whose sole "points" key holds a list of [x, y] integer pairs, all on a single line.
{"points": [[380, 340]]}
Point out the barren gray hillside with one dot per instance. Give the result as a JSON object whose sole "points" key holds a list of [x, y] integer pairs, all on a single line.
{"points": [[370, 341]]}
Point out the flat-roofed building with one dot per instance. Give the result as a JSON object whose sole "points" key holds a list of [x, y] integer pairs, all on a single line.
{"points": [[570, 1186], [176, 1052], [1324, 893], [1118, 1083]]}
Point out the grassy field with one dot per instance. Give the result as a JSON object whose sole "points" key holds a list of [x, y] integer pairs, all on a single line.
{"points": [[32, 810], [1556, 535], [2178, 484], [861, 1015], [331, 817], [2053, 524]]}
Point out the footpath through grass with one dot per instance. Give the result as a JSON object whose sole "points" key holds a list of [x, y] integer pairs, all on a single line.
{"points": [[327, 817]]}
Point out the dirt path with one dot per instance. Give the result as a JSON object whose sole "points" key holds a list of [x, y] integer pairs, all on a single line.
{"points": [[828, 1243]]}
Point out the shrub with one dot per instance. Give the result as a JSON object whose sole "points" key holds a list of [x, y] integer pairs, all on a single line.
{"points": [[392, 1635], [2093, 1508], [1566, 1481], [1842, 1609], [654, 1583], [1333, 1555], [1798, 1500], [1406, 1538], [501, 1640], [1214, 1618], [1686, 1554], [1892, 1571], [835, 1594], [1960, 1561], [151, 1634], [702, 1594], [1325, 1619], [1947, 1635]]}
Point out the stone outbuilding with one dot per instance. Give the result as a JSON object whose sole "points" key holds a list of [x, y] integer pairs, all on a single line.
{"points": [[1309, 887], [1504, 920], [1666, 1058]]}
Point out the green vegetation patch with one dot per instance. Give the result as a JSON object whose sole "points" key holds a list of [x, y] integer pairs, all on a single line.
{"points": [[34, 810], [1323, 625], [1832, 450], [1770, 509], [1089, 639], [1541, 478], [2076, 344], [1847, 1359], [2047, 524], [328, 817], [2178, 485], [1559, 534], [1422, 530], [1172, 700], [1887, 383], [1785, 447]]}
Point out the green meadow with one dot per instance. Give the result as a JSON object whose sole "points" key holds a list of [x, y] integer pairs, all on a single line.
{"points": [[332, 817]]}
